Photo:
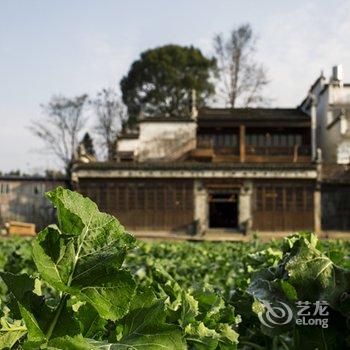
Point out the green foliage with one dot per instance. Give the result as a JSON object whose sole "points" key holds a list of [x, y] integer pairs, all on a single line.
{"points": [[80, 295], [161, 80], [305, 273], [80, 263], [88, 144], [86, 284]]}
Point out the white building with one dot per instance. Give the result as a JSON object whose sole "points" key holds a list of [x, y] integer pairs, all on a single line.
{"points": [[328, 104]]}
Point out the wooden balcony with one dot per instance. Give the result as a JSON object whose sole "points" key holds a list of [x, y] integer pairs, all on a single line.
{"points": [[206, 150], [263, 154], [251, 154], [253, 145]]}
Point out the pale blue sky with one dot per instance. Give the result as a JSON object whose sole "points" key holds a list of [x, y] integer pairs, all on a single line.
{"points": [[78, 46]]}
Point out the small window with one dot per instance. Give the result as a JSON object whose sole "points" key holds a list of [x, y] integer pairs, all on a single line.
{"points": [[261, 140], [254, 140], [343, 125], [169, 202], [329, 117], [275, 140], [132, 198], [283, 140], [309, 199], [289, 193], [126, 156], [121, 198], [268, 139], [279, 199], [178, 199], [299, 199], [291, 140], [150, 198], [141, 198], [298, 139], [216, 141], [160, 198], [228, 141], [270, 198], [234, 140], [259, 199]]}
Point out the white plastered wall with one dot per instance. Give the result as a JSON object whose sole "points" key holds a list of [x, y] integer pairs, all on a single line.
{"points": [[160, 139]]}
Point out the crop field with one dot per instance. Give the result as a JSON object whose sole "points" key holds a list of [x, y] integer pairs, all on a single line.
{"points": [[85, 283]]}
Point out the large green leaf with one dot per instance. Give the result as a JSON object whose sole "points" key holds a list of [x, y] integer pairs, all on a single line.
{"points": [[54, 255], [109, 293], [145, 328], [91, 323], [84, 255], [70, 343]]}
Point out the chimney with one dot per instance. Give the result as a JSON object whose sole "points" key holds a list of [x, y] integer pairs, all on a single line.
{"points": [[194, 110], [337, 74], [313, 115]]}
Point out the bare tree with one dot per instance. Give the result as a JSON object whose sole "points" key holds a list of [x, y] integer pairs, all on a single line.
{"points": [[110, 113], [241, 79], [60, 128]]}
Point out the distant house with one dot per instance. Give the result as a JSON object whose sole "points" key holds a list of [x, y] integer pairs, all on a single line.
{"points": [[221, 170], [328, 104], [240, 170], [22, 199]]}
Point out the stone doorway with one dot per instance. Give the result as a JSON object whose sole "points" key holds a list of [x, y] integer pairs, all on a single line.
{"points": [[223, 210]]}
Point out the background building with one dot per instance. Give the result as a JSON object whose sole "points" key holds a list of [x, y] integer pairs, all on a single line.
{"points": [[237, 170], [328, 105], [22, 199]]}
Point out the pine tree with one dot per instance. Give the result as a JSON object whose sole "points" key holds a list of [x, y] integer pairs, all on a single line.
{"points": [[88, 144]]}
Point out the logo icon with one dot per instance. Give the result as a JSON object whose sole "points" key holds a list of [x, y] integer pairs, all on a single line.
{"points": [[275, 315]]}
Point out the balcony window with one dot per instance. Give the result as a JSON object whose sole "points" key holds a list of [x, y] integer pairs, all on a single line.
{"points": [[273, 140], [218, 140]]}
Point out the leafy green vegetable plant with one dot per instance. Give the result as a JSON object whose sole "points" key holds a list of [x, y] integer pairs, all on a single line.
{"points": [[306, 274], [88, 297], [85, 284]]}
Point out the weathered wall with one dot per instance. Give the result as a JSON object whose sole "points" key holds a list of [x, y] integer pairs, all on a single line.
{"points": [[200, 206], [330, 133], [283, 205], [288, 204], [24, 200], [127, 145], [144, 204], [335, 201], [158, 140], [245, 207]]}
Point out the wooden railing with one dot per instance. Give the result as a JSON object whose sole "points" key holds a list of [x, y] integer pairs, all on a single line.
{"points": [[277, 151], [205, 143], [209, 144], [256, 150], [248, 153]]}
